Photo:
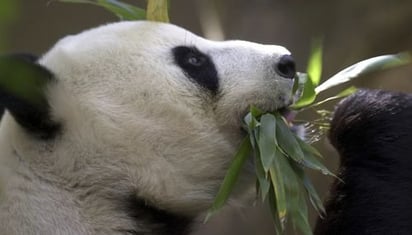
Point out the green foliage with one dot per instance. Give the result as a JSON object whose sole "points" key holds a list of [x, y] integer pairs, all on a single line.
{"points": [[157, 10], [308, 82], [314, 68], [348, 91], [279, 158], [364, 67], [306, 86], [122, 10]]}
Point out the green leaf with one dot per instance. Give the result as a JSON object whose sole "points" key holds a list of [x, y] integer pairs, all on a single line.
{"points": [[122, 10], [308, 96], [311, 162], [314, 68], [287, 141], [299, 85], [263, 181], [250, 121], [230, 178], [253, 130], [278, 184], [279, 227], [311, 191], [300, 215], [251, 127], [267, 140], [296, 204], [157, 10], [340, 95], [256, 112], [308, 149], [311, 159], [364, 67], [313, 196]]}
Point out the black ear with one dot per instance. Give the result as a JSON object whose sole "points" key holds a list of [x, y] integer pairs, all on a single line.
{"points": [[23, 85]]}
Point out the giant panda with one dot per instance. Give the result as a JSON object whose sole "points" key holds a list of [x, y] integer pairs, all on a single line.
{"points": [[128, 128], [372, 131]]}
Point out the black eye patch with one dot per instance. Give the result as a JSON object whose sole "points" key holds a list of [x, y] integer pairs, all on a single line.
{"points": [[197, 66]]}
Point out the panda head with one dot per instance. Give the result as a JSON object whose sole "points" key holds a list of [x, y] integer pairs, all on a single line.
{"points": [[166, 68], [145, 108]]}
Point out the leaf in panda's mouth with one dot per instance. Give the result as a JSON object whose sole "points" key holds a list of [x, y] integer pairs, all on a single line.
{"points": [[280, 157]]}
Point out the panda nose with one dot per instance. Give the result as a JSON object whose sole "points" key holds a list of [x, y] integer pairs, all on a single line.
{"points": [[286, 67]]}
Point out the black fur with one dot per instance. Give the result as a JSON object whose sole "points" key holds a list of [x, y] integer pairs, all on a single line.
{"points": [[197, 66], [286, 67], [22, 93], [372, 131]]}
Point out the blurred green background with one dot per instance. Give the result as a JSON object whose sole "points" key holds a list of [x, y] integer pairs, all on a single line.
{"points": [[352, 30]]}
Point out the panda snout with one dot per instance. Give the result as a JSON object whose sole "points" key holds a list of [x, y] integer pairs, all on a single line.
{"points": [[286, 67]]}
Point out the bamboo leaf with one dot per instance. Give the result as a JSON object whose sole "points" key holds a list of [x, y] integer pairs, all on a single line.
{"points": [[311, 191], [300, 215], [251, 122], [157, 10], [313, 196], [311, 158], [287, 140], [279, 227], [296, 204], [308, 96], [304, 86], [263, 181], [251, 126], [298, 84], [278, 185], [314, 68], [312, 162], [340, 95], [230, 178], [255, 111], [364, 67], [122, 10], [307, 148], [267, 140]]}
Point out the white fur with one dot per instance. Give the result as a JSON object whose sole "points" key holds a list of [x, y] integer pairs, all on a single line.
{"points": [[132, 122]]}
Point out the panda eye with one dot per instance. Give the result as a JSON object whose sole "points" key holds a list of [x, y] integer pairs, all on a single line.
{"points": [[195, 60], [197, 66]]}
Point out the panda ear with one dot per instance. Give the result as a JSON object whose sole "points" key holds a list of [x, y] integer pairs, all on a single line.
{"points": [[23, 84]]}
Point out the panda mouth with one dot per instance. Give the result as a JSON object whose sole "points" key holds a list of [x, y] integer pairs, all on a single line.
{"points": [[288, 115]]}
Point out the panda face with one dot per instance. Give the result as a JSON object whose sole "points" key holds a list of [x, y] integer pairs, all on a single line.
{"points": [[156, 108], [221, 78], [226, 67]]}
